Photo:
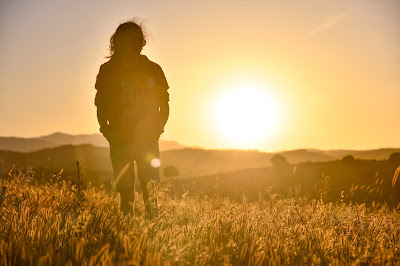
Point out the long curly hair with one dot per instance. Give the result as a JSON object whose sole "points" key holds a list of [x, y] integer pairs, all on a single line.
{"points": [[134, 24]]}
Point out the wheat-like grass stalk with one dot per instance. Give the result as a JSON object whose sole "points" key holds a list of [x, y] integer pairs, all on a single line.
{"points": [[396, 174]]}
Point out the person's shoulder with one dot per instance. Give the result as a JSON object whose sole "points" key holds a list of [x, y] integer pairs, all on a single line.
{"points": [[106, 65], [157, 72], [103, 75], [151, 63]]}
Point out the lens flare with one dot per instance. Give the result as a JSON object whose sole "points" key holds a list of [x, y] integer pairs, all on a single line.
{"points": [[155, 162]]}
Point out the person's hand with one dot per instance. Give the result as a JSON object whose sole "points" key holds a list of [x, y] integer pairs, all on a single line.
{"points": [[160, 129], [148, 130]]}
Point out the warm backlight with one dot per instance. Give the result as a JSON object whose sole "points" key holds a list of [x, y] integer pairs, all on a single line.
{"points": [[246, 115]]}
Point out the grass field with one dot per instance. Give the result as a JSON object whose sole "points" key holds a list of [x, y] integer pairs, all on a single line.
{"points": [[61, 223]]}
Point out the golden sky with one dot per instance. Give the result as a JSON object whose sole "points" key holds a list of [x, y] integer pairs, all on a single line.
{"points": [[327, 72]]}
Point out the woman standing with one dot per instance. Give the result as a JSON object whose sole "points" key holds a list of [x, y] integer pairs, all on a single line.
{"points": [[132, 109]]}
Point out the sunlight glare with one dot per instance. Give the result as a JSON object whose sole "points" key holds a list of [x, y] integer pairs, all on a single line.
{"points": [[246, 115]]}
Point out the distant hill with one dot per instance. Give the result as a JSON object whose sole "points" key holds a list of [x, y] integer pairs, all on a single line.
{"points": [[332, 180], [60, 157], [190, 162], [379, 154], [197, 162], [305, 155], [59, 138]]}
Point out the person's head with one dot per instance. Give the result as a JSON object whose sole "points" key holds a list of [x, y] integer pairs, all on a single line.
{"points": [[128, 39]]}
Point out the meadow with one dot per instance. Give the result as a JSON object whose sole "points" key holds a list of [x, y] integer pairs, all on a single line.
{"points": [[67, 222]]}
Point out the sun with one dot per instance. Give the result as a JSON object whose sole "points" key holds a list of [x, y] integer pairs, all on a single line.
{"points": [[245, 115]]}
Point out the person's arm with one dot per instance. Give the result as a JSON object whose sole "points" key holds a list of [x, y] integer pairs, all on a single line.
{"points": [[164, 113], [100, 99], [163, 97], [101, 116]]}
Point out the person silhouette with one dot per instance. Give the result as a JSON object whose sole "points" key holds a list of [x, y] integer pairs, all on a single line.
{"points": [[132, 103]]}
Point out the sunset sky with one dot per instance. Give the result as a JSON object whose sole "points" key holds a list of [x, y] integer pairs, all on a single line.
{"points": [[311, 74]]}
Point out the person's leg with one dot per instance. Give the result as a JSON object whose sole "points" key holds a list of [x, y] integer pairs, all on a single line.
{"points": [[127, 198], [148, 162], [124, 175]]}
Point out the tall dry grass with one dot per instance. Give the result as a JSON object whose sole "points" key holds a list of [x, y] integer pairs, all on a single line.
{"points": [[60, 223]]}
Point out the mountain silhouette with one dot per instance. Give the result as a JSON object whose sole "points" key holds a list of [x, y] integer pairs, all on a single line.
{"points": [[58, 138]]}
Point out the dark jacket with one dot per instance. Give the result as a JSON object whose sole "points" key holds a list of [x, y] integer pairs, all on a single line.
{"points": [[130, 94]]}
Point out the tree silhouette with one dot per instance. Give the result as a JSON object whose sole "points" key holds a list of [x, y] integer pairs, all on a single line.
{"points": [[394, 157], [348, 159], [279, 160], [171, 171]]}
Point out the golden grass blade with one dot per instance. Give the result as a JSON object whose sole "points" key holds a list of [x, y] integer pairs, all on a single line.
{"points": [[396, 174], [121, 173]]}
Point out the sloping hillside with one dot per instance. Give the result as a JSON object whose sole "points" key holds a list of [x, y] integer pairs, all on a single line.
{"points": [[190, 162], [379, 154], [59, 138], [356, 180]]}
